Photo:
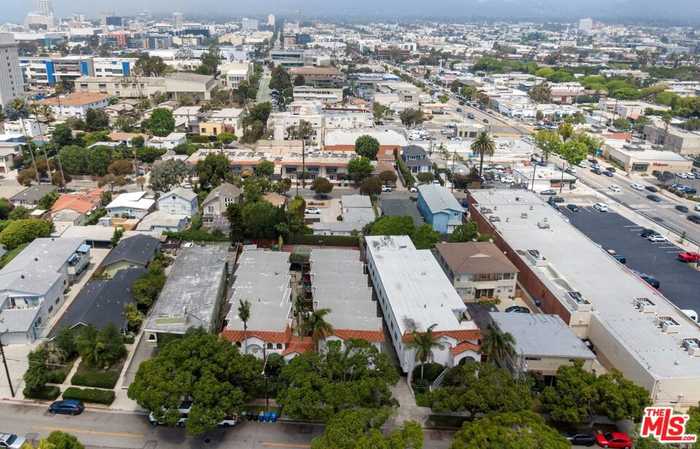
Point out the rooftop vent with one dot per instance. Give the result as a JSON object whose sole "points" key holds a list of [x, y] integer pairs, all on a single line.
{"points": [[577, 297], [692, 345], [644, 305], [544, 224], [667, 324]]}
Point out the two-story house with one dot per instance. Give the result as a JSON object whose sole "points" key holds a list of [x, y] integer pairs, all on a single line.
{"points": [[416, 159], [439, 208], [179, 201], [130, 205], [215, 205], [478, 270]]}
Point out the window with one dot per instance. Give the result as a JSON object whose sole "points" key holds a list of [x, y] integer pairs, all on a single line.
{"points": [[269, 346], [279, 345]]}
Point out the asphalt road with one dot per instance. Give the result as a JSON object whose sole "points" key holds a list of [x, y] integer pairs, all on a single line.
{"points": [[663, 213], [264, 89], [680, 283]]}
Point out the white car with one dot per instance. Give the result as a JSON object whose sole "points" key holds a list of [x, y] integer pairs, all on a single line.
{"points": [[507, 179], [11, 441], [615, 188], [682, 175], [413, 190], [636, 186], [386, 189], [656, 238], [312, 211], [601, 207]]}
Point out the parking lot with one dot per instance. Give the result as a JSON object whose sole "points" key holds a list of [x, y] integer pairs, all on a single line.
{"points": [[679, 282]]}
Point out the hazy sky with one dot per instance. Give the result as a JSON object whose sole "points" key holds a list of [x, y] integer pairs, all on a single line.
{"points": [[647, 10]]}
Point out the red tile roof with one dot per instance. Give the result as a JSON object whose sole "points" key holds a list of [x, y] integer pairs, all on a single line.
{"points": [[267, 336], [464, 346], [349, 334], [299, 345], [81, 202], [459, 335]]}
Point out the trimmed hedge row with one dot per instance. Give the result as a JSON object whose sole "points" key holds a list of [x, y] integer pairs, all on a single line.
{"points": [[47, 393], [99, 379], [324, 240], [93, 395], [57, 376]]}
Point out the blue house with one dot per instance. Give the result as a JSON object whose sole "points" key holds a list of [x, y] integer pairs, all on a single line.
{"points": [[439, 208]]}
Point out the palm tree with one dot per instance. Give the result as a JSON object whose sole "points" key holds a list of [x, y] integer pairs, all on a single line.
{"points": [[318, 327], [298, 310], [244, 315], [423, 343], [483, 145], [498, 345]]}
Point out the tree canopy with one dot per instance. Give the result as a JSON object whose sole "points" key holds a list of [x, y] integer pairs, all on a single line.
{"points": [[360, 168], [19, 232], [423, 237], [161, 123], [367, 146], [213, 170], [168, 174]]}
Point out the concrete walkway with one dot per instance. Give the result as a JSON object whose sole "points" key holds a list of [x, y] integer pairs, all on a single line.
{"points": [[408, 410]]}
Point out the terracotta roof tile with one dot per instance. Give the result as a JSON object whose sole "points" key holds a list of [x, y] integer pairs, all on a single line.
{"points": [[349, 334], [464, 346]]}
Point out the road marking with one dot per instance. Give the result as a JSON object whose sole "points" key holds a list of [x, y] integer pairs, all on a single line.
{"points": [[289, 445], [94, 432]]}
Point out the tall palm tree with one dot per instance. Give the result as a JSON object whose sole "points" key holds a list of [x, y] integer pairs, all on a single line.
{"points": [[423, 343], [317, 326], [483, 145], [498, 345], [244, 315]]}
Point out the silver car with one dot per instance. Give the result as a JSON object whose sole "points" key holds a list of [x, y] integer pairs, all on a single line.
{"points": [[11, 441]]}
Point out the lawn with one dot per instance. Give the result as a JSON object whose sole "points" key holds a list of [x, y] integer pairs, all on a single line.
{"points": [[88, 376]]}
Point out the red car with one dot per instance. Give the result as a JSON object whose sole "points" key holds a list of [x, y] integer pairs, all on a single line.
{"points": [[689, 257], [616, 440]]}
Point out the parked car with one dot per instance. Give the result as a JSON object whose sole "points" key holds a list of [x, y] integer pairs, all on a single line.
{"points": [[614, 440], [386, 189], [11, 441], [651, 280], [647, 232], [694, 218], [548, 192], [596, 170], [413, 190], [555, 199], [581, 439], [615, 188], [312, 211], [607, 173], [67, 407], [601, 207], [620, 258], [572, 207], [651, 189], [656, 238], [636, 186], [517, 309], [611, 169], [654, 198], [688, 256], [681, 208]]}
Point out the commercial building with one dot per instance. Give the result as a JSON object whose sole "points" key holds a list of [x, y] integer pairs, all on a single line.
{"points": [[298, 111], [193, 293], [642, 159], [543, 343], [631, 325], [33, 286], [340, 140], [324, 95], [48, 71], [478, 270], [11, 81], [76, 104], [175, 86], [222, 120], [414, 294], [287, 58], [686, 143], [540, 178], [232, 74], [319, 76], [439, 207], [565, 93]]}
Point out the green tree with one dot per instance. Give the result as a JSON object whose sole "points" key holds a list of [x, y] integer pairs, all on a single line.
{"points": [[367, 146], [573, 152], [317, 326], [388, 177], [380, 111], [261, 219], [116, 236], [210, 61], [213, 170], [423, 344], [47, 200], [541, 93], [622, 124], [317, 386], [150, 66], [548, 141], [570, 400], [200, 366], [226, 138], [96, 120], [161, 123], [146, 288], [620, 398], [244, 316], [121, 167], [322, 186], [19, 213], [411, 117], [134, 317], [19, 232], [65, 342], [483, 145], [566, 131], [265, 168], [425, 177], [392, 225], [371, 186], [5, 208], [167, 174], [100, 349], [497, 345], [509, 431], [62, 440], [360, 168], [424, 237], [468, 232], [148, 154], [62, 135]]}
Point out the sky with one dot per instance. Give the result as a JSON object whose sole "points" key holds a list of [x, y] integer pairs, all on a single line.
{"points": [[674, 11]]}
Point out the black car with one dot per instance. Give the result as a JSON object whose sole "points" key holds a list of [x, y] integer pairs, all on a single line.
{"points": [[572, 207], [651, 280], [694, 218], [681, 208], [647, 232], [555, 199], [517, 309], [611, 169], [67, 407], [654, 198], [652, 189], [608, 173], [620, 258], [581, 439]]}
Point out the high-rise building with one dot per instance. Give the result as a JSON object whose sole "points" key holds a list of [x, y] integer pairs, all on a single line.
{"points": [[249, 24], [11, 81], [178, 19], [271, 20], [45, 8], [585, 25]]}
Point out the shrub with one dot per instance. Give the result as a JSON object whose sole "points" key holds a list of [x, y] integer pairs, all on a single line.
{"points": [[324, 240], [99, 379], [56, 376], [93, 395], [46, 393]]}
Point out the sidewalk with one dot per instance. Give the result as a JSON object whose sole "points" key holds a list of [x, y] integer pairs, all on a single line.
{"points": [[408, 410]]}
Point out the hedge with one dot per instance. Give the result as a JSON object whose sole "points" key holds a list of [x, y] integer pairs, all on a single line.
{"points": [[99, 379], [324, 240], [57, 376], [47, 393], [406, 174], [93, 395]]}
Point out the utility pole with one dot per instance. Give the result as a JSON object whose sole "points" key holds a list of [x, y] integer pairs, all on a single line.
{"points": [[7, 370]]}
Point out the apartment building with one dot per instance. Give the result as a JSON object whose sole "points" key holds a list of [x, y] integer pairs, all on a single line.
{"points": [[11, 81], [48, 71], [414, 294], [326, 96], [232, 74], [630, 324], [565, 93], [308, 111], [75, 104]]}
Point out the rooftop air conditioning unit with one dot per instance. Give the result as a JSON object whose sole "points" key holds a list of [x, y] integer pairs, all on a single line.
{"points": [[644, 305], [692, 345], [668, 324], [543, 225]]}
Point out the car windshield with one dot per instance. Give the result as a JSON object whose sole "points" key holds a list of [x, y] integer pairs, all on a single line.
{"points": [[11, 439]]}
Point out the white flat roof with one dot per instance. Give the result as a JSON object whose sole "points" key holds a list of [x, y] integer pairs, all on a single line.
{"points": [[417, 289], [573, 262]]}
